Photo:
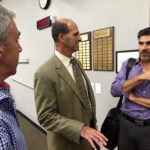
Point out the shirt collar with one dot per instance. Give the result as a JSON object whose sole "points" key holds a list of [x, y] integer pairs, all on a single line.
{"points": [[4, 85], [5, 91], [64, 59]]}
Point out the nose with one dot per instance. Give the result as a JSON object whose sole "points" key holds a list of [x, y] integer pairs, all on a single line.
{"points": [[145, 45], [79, 38]]}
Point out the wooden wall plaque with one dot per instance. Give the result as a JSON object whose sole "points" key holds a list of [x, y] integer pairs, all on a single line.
{"points": [[103, 49], [84, 53]]}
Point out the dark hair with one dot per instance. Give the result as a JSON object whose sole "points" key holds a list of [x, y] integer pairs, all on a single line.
{"points": [[57, 28], [144, 32]]}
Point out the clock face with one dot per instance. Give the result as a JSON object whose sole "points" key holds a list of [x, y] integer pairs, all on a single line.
{"points": [[44, 3]]}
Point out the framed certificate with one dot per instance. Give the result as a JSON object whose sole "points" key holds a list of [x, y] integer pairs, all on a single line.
{"points": [[122, 56]]}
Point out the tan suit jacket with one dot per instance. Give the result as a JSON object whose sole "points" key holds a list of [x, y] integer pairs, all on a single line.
{"points": [[60, 108]]}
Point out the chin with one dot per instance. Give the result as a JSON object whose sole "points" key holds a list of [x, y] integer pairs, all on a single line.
{"points": [[75, 50], [14, 72], [145, 59]]}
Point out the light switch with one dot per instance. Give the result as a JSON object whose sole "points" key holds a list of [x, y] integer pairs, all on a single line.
{"points": [[23, 60], [97, 88]]}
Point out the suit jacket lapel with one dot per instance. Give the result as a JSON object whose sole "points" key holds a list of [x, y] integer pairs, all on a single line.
{"points": [[65, 75]]}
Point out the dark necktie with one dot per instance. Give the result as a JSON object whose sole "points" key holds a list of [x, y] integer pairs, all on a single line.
{"points": [[80, 84]]}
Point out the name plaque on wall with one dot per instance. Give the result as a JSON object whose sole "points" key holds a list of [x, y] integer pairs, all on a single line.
{"points": [[84, 53], [103, 49]]}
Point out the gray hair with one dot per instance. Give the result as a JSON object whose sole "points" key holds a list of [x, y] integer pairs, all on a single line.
{"points": [[6, 16]]}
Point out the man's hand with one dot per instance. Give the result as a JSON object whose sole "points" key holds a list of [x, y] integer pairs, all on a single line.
{"points": [[131, 97], [145, 76], [92, 135]]}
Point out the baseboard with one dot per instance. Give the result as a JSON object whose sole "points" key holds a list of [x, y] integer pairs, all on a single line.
{"points": [[33, 123]]}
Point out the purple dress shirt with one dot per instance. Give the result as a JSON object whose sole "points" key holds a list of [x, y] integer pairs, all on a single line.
{"points": [[143, 90]]}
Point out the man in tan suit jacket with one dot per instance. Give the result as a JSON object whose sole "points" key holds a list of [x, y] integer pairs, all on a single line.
{"points": [[59, 105]]}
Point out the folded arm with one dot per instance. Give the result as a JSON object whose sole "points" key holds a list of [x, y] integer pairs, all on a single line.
{"points": [[139, 100], [131, 83]]}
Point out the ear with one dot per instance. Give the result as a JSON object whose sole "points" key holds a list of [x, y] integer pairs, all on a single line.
{"points": [[1, 49], [61, 37]]}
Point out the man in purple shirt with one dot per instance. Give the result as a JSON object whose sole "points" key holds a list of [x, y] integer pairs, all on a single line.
{"points": [[135, 117]]}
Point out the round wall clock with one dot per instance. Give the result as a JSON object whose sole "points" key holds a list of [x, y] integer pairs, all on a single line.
{"points": [[44, 4]]}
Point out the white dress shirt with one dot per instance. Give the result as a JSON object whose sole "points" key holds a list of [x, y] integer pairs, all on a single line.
{"points": [[66, 61]]}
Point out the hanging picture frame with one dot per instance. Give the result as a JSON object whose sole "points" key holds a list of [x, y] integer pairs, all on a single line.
{"points": [[121, 56]]}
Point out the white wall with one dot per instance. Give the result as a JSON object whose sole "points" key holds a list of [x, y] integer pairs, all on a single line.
{"points": [[127, 16]]}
